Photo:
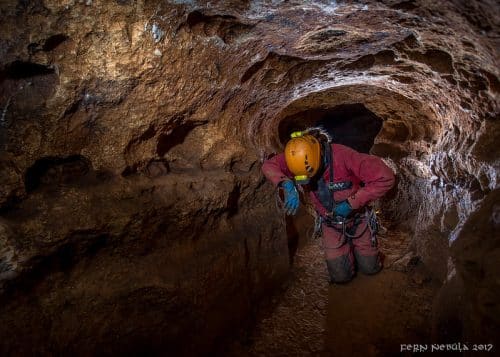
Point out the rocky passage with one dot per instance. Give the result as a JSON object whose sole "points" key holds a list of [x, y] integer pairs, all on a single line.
{"points": [[133, 213], [370, 316]]}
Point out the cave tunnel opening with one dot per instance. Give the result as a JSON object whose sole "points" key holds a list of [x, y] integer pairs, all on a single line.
{"points": [[352, 125], [355, 126]]}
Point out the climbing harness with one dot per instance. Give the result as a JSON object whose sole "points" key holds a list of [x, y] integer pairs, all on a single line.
{"points": [[346, 226], [318, 230], [373, 224]]}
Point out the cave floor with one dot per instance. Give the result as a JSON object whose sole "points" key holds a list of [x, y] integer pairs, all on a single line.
{"points": [[370, 316]]}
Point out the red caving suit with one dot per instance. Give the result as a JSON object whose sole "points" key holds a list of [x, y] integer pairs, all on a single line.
{"points": [[349, 165]]}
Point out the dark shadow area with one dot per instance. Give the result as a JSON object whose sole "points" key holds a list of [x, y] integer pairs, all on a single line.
{"points": [[232, 201], [84, 243], [22, 69], [292, 234], [227, 27], [352, 125], [298, 229], [53, 41], [55, 170], [167, 141]]}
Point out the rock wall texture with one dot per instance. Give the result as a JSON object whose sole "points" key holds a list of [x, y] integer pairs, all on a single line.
{"points": [[133, 212]]}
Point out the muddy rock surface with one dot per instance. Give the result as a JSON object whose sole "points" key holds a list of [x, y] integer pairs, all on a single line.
{"points": [[370, 316], [133, 213]]}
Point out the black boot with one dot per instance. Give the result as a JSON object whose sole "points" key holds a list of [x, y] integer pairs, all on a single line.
{"points": [[340, 269], [368, 264]]}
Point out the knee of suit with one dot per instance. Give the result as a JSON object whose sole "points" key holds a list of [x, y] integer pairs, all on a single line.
{"points": [[340, 269], [368, 264]]}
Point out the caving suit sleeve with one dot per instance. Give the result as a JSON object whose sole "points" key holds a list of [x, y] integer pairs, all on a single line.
{"points": [[377, 177], [275, 169]]}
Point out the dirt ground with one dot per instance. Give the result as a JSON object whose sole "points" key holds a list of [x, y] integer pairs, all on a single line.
{"points": [[370, 316]]}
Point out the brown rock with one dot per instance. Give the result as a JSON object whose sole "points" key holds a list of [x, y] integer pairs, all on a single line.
{"points": [[131, 137]]}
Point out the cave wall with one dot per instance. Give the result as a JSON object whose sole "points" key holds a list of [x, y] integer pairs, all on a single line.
{"points": [[129, 219], [132, 135]]}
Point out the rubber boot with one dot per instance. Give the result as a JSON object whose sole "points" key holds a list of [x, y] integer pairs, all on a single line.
{"points": [[368, 264], [340, 269]]}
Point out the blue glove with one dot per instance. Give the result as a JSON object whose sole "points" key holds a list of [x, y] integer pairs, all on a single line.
{"points": [[291, 198], [343, 209]]}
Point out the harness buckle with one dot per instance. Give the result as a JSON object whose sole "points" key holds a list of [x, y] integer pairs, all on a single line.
{"points": [[331, 219], [318, 221]]}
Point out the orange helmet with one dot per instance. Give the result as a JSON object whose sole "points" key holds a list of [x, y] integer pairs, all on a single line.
{"points": [[303, 156]]}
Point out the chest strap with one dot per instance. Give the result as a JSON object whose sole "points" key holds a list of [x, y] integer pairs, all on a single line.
{"points": [[329, 158], [325, 189], [334, 186], [339, 186]]}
